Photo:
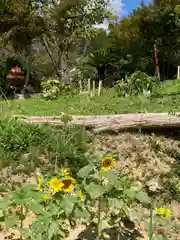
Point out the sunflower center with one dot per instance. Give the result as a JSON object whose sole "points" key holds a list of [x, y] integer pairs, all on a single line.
{"points": [[106, 163], [67, 183]]}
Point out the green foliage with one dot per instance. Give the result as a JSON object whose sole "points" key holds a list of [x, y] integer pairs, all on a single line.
{"points": [[65, 147], [135, 84], [96, 195], [52, 89]]}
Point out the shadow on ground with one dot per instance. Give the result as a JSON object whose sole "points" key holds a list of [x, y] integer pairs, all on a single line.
{"points": [[128, 233]]}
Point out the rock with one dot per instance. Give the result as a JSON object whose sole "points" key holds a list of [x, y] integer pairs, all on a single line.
{"points": [[154, 185]]}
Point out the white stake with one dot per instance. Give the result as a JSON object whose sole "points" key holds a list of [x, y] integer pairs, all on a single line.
{"points": [[94, 88], [99, 88], [178, 73]]}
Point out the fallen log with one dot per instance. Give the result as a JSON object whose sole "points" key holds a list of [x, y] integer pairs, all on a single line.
{"points": [[113, 123]]}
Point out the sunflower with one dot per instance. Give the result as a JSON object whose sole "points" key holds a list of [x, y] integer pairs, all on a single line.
{"points": [[55, 184], [167, 213], [80, 195], [107, 163], [159, 211], [39, 182], [163, 212], [65, 171], [68, 184], [47, 197]]}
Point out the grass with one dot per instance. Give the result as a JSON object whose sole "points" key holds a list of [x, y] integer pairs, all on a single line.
{"points": [[167, 99], [145, 159]]}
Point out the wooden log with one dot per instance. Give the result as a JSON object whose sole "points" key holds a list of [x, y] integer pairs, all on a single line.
{"points": [[113, 123]]}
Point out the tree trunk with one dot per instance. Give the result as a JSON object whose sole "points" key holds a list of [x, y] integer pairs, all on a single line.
{"points": [[28, 69], [114, 123], [63, 63], [45, 43], [156, 63]]}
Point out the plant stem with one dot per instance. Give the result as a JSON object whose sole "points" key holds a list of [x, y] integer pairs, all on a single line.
{"points": [[151, 223], [99, 219], [21, 221]]}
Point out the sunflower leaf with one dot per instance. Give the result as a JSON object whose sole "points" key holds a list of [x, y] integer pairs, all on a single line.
{"points": [[111, 177], [85, 171], [81, 213], [116, 203], [11, 221], [4, 203], [53, 229], [94, 190], [67, 203]]}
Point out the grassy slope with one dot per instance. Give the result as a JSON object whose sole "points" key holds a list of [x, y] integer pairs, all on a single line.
{"points": [[108, 103], [142, 157]]}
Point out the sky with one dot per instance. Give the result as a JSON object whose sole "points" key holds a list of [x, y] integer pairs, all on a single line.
{"points": [[127, 6], [122, 8]]}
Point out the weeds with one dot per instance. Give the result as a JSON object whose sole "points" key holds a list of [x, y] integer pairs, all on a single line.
{"points": [[32, 144]]}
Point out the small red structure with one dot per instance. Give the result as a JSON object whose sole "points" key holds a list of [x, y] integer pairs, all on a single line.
{"points": [[16, 77]]}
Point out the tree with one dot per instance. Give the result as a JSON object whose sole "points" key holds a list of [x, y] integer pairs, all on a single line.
{"points": [[66, 28]]}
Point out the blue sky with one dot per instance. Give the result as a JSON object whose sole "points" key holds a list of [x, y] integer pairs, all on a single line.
{"points": [[129, 5], [122, 8]]}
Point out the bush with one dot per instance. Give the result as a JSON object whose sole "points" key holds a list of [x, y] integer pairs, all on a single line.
{"points": [[65, 147], [53, 88], [136, 83]]}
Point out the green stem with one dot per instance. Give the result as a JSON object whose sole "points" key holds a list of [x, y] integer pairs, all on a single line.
{"points": [[21, 221], [151, 223], [99, 219]]}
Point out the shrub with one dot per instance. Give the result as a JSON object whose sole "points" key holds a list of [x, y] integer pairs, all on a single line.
{"points": [[53, 88], [136, 83], [66, 147]]}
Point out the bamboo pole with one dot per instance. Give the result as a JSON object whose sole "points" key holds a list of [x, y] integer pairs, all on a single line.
{"points": [[178, 73], [99, 88], [80, 86], [89, 86], [94, 88]]}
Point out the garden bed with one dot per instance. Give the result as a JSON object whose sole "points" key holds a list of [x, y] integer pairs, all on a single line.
{"points": [[150, 161]]}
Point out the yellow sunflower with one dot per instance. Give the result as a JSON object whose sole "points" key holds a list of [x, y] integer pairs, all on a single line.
{"points": [[55, 184], [167, 213], [163, 212], [107, 163], [65, 171], [80, 195], [68, 184], [47, 197], [39, 182], [159, 211]]}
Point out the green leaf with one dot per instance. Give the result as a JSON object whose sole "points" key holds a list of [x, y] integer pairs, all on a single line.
{"points": [[26, 233], [67, 203], [135, 193], [11, 221], [85, 171], [94, 190], [20, 198], [116, 203], [53, 230], [112, 177], [36, 208], [39, 236], [4, 203], [143, 197], [130, 193], [81, 213]]}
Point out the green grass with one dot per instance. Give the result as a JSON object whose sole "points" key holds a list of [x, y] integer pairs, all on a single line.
{"points": [[167, 99]]}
